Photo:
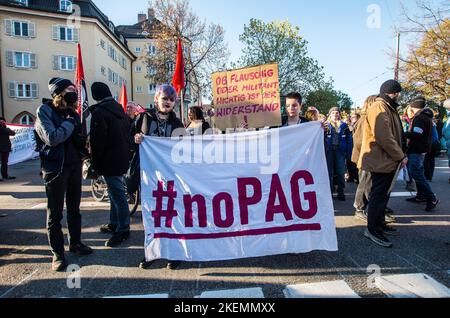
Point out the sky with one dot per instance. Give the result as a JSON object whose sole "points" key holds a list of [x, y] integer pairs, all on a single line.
{"points": [[351, 39]]}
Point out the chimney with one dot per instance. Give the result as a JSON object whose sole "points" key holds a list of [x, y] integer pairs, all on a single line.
{"points": [[151, 13], [142, 17]]}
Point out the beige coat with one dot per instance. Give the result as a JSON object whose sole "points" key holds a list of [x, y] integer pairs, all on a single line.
{"points": [[381, 149], [357, 138]]}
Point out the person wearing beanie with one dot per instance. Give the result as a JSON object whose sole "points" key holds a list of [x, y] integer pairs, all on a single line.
{"points": [[62, 148], [419, 138], [110, 153], [338, 148], [381, 155]]}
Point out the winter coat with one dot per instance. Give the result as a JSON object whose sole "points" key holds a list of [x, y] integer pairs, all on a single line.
{"points": [[420, 134], [382, 145], [446, 131], [5, 142], [60, 137], [109, 138], [344, 137], [358, 131]]}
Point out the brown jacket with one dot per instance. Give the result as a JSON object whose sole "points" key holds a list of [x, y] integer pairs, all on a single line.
{"points": [[381, 149], [358, 131]]}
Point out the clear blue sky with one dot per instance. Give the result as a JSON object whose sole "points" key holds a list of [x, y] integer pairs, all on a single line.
{"points": [[339, 38]]}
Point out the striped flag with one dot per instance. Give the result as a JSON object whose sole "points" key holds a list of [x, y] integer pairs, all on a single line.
{"points": [[80, 84]]}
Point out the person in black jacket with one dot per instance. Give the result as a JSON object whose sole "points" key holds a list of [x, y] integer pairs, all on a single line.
{"points": [[110, 158], [63, 146], [419, 143], [5, 148]]}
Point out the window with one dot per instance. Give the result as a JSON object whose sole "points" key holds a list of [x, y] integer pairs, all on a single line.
{"points": [[65, 6], [151, 71], [137, 50], [21, 29], [111, 27], [21, 90], [63, 33], [151, 89], [22, 60], [22, 2], [171, 67], [138, 69], [113, 77], [139, 89], [67, 63], [26, 120], [112, 53], [123, 62], [18, 28], [103, 70], [102, 44], [151, 50]]}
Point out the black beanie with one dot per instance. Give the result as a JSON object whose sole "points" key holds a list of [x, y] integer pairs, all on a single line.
{"points": [[100, 91], [57, 85], [418, 102], [390, 87]]}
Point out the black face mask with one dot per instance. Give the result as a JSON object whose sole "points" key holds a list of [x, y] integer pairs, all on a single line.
{"points": [[71, 98]]}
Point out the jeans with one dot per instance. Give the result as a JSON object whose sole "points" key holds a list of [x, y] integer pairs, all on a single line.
{"points": [[378, 199], [5, 157], [336, 167], [68, 184], [416, 167], [363, 191], [120, 211]]}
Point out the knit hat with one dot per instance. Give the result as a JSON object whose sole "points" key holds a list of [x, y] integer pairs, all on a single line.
{"points": [[418, 102], [57, 85], [334, 109], [100, 91], [390, 87]]}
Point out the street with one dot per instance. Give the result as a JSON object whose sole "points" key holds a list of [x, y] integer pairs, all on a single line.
{"points": [[359, 269]]}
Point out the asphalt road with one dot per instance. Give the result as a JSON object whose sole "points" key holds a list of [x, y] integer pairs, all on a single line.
{"points": [[25, 269]]}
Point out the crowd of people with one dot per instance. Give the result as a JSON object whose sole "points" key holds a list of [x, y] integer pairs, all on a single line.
{"points": [[368, 147]]}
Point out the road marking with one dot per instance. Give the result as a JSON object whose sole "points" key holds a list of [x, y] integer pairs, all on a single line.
{"points": [[233, 293], [20, 283], [43, 206], [403, 194], [333, 289], [160, 296], [411, 286]]}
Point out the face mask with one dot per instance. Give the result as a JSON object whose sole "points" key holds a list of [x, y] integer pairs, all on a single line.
{"points": [[71, 98]]}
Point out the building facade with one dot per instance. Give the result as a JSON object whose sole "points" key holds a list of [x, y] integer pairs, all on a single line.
{"points": [[38, 41]]}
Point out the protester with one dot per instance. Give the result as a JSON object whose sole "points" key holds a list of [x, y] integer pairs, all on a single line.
{"points": [[419, 143], [5, 148], [133, 111], [59, 129], [352, 169], [197, 124], [381, 155], [429, 163], [293, 108], [110, 158], [312, 114], [338, 147], [159, 122], [446, 131]]}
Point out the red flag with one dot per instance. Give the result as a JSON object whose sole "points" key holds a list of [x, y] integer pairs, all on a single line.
{"points": [[123, 99], [178, 77], [80, 84]]}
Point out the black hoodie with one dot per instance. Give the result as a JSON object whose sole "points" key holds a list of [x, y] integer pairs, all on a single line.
{"points": [[109, 138], [420, 134]]}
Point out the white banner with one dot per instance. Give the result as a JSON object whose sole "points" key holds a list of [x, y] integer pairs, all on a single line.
{"points": [[23, 144], [221, 197]]}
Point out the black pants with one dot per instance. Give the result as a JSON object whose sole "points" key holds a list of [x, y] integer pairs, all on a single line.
{"points": [[378, 199], [57, 186], [5, 157], [352, 170], [429, 165]]}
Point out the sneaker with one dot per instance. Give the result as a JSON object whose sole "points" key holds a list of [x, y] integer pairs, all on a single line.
{"points": [[108, 229], [378, 238], [80, 249], [431, 205], [417, 199], [173, 265], [361, 215], [117, 239], [10, 178], [389, 218], [59, 263], [144, 264], [389, 230], [3, 215]]}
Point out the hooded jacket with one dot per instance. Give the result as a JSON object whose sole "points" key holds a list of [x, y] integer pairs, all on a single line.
{"points": [[420, 134], [109, 138]]}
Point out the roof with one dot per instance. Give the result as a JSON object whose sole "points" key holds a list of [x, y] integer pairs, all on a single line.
{"points": [[87, 7], [136, 31]]}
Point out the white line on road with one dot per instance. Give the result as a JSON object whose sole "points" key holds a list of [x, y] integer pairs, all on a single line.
{"points": [[20, 283], [411, 286], [234, 293], [403, 194], [333, 289], [43, 206]]}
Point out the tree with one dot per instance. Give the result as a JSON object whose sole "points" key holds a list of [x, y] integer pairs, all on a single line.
{"points": [[281, 42], [205, 50], [426, 68], [325, 99]]}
